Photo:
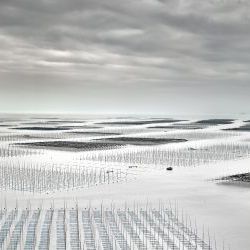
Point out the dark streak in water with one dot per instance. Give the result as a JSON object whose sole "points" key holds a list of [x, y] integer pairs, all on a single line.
{"points": [[42, 128], [146, 122], [73, 145], [142, 141], [215, 121]]}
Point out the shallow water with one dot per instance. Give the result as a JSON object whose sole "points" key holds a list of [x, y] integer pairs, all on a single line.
{"points": [[224, 209]]}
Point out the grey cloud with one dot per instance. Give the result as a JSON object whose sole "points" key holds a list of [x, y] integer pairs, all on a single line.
{"points": [[143, 44]]}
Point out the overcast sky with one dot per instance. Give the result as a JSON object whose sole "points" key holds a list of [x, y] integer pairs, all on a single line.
{"points": [[133, 56]]}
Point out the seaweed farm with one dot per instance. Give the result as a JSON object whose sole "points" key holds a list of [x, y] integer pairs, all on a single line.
{"points": [[46, 180], [179, 157], [100, 228], [124, 183]]}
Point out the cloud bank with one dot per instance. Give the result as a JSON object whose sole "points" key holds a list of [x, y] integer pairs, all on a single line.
{"points": [[142, 56]]}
